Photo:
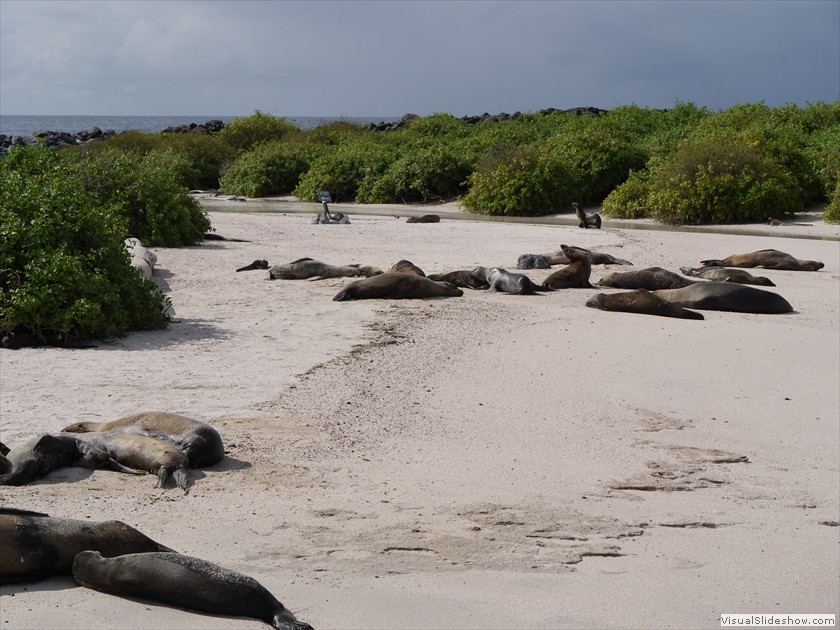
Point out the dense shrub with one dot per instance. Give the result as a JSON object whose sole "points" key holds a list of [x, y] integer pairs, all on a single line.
{"points": [[343, 170], [832, 210], [271, 168], [630, 199], [65, 274], [244, 133]]}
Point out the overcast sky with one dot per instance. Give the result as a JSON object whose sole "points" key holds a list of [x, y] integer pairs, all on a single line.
{"points": [[388, 58]]}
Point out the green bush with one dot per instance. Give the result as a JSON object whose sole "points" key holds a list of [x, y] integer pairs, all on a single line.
{"points": [[271, 168], [722, 178], [244, 133], [65, 273], [832, 210], [343, 170], [630, 199]]}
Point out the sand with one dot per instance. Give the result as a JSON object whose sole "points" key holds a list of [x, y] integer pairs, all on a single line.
{"points": [[489, 461]]}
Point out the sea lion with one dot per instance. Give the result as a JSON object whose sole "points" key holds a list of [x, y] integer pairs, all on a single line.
{"points": [[201, 442], [725, 296], [185, 581], [39, 455], [767, 258], [34, 546], [587, 220], [257, 264], [141, 258], [306, 268], [406, 266], [396, 286], [532, 261], [640, 301], [470, 278], [576, 275], [210, 236], [160, 457], [652, 278], [505, 281], [597, 258], [723, 274], [425, 218]]}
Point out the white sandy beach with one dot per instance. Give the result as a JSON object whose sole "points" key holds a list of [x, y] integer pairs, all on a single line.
{"points": [[488, 461]]}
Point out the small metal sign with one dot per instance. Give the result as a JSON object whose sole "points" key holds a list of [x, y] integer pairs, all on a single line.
{"points": [[324, 196]]}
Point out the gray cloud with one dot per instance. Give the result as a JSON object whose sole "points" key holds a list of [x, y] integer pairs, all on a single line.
{"points": [[384, 59]]}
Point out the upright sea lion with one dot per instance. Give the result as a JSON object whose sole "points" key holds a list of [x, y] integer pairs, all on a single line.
{"points": [[640, 301], [576, 275], [587, 220], [185, 581], [597, 258], [767, 258], [652, 278], [425, 218], [396, 286], [406, 266], [532, 261], [35, 546], [306, 268], [723, 274], [505, 281], [470, 278], [725, 296], [39, 455], [201, 442]]}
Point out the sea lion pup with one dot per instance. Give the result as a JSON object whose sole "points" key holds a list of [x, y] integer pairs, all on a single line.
{"points": [[425, 218], [640, 301], [652, 278], [576, 275], [597, 258], [470, 278], [532, 261], [307, 268], [160, 457], [726, 296], [396, 286], [257, 264], [183, 581], [406, 266], [39, 455], [201, 442], [767, 258], [723, 274], [505, 281], [34, 546], [587, 220]]}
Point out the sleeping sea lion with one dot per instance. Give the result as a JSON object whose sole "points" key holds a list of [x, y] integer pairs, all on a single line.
{"points": [[505, 281], [576, 275], [425, 218], [640, 301], [652, 278], [532, 261], [587, 220], [597, 258], [396, 286], [185, 581], [723, 274], [470, 278], [767, 258], [306, 268], [257, 264], [406, 266], [34, 546], [726, 296]]}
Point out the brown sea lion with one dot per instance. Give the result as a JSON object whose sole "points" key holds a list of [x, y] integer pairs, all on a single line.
{"points": [[34, 546], [723, 274], [470, 278], [396, 286], [505, 281], [726, 296], [201, 442], [597, 258], [257, 264], [406, 266], [309, 269], [576, 275], [425, 218], [587, 220], [532, 261], [640, 301], [185, 581], [652, 278], [767, 258]]}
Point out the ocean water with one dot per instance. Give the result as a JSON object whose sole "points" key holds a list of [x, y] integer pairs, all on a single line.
{"points": [[26, 125]]}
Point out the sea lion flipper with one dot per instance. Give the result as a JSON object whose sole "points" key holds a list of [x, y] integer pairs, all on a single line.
{"points": [[117, 467]]}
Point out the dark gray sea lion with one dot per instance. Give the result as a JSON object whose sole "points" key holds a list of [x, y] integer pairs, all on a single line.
{"points": [[425, 218], [184, 581], [406, 266], [34, 546], [469, 278], [652, 278], [767, 258], [201, 442], [576, 275], [725, 296], [640, 301], [587, 220], [396, 286], [39, 455], [257, 264], [597, 258], [210, 236], [723, 274], [532, 261], [306, 268], [160, 457], [505, 281]]}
